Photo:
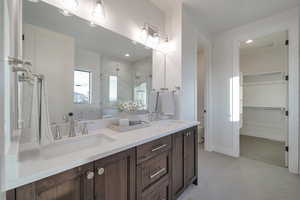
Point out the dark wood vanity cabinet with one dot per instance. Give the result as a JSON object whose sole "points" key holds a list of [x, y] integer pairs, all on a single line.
{"points": [[158, 170], [74, 184], [184, 160]]}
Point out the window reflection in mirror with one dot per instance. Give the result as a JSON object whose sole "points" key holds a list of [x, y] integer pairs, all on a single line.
{"points": [[82, 92], [113, 89]]}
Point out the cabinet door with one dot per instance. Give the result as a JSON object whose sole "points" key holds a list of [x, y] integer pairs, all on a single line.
{"points": [[115, 177], [74, 184], [189, 156], [177, 164], [158, 191]]}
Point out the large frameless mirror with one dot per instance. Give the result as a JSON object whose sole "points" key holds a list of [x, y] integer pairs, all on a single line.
{"points": [[89, 71]]}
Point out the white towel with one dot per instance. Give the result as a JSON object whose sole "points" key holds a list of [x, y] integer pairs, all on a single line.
{"points": [[46, 133], [167, 103], [34, 117], [153, 102]]}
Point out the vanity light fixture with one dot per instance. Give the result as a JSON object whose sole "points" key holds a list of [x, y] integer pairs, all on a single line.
{"points": [[97, 13], [249, 41], [150, 36], [144, 34], [69, 6]]}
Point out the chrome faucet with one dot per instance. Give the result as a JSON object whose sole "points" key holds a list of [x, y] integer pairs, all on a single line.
{"points": [[57, 132], [72, 132]]}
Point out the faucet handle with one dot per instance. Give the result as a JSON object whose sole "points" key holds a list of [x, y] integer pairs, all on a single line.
{"points": [[85, 130], [57, 131]]}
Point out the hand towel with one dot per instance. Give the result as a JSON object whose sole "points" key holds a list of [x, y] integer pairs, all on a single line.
{"points": [[167, 103], [153, 102], [46, 133]]}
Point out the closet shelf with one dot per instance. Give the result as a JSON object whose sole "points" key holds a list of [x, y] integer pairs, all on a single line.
{"points": [[264, 83], [264, 107]]}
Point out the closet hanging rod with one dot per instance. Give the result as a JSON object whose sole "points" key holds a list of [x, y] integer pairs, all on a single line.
{"points": [[265, 108]]}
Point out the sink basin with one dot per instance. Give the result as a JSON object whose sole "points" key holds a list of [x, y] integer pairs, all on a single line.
{"points": [[71, 145]]}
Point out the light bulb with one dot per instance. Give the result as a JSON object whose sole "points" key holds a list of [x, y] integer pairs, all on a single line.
{"points": [[97, 13], [249, 41], [144, 35], [69, 6]]}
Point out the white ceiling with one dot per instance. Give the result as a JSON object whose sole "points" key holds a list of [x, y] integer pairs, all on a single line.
{"points": [[221, 15], [97, 39]]}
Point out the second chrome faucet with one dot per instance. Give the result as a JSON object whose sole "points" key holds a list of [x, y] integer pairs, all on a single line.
{"points": [[72, 132]]}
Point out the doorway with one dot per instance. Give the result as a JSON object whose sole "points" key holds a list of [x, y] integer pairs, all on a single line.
{"points": [[201, 89], [264, 98]]}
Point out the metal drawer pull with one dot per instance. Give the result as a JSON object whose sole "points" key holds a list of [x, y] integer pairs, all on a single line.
{"points": [[101, 171], [160, 147], [157, 173], [90, 175]]}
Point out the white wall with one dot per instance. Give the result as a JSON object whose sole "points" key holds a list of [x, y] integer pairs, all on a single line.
{"points": [[189, 68], [174, 57], [2, 138], [226, 71], [299, 84], [201, 72], [159, 70]]}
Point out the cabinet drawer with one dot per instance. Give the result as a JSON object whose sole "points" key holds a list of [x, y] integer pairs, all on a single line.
{"points": [[151, 149], [152, 170], [159, 191]]}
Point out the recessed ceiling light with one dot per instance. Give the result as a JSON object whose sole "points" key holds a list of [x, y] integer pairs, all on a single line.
{"points": [[127, 55], [249, 41]]}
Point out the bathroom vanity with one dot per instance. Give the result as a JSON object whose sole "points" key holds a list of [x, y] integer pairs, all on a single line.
{"points": [[159, 169]]}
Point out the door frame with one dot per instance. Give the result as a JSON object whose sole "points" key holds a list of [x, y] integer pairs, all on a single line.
{"points": [[206, 45], [293, 90]]}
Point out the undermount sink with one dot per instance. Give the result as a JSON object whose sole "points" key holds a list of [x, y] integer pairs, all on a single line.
{"points": [[71, 145], [168, 123]]}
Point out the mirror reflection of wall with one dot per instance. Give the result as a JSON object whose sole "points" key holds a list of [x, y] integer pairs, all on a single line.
{"points": [[89, 70]]}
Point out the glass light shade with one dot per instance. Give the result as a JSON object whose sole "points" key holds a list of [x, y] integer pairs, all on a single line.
{"points": [[69, 6], [153, 41]]}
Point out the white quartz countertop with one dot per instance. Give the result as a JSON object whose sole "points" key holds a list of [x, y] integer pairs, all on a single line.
{"points": [[36, 167]]}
